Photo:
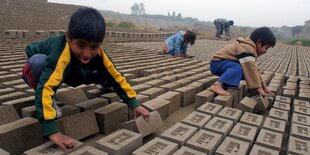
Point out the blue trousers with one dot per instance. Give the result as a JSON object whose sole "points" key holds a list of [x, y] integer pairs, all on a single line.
{"points": [[230, 72]]}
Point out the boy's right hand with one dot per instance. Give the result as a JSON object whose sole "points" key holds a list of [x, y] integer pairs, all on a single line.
{"points": [[62, 141], [262, 92]]}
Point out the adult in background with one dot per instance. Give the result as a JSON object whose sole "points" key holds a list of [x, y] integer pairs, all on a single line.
{"points": [[223, 24]]}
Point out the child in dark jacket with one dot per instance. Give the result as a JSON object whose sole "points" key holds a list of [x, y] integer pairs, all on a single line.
{"points": [[74, 58], [237, 61]]}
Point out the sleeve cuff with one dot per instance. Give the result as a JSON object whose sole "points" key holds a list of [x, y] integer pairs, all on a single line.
{"points": [[49, 127], [133, 103]]}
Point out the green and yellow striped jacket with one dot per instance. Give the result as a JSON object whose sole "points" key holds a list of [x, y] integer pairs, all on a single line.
{"points": [[62, 67]]}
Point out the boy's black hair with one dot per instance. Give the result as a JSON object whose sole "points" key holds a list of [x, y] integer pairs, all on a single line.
{"points": [[88, 24], [190, 37], [263, 34]]}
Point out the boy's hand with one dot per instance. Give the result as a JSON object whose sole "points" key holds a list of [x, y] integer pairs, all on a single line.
{"points": [[269, 92], [62, 141], [262, 92], [141, 111]]}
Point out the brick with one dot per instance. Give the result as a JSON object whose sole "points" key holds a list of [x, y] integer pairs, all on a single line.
{"points": [[68, 110], [3, 152], [259, 150], [140, 80], [157, 146], [230, 113], [74, 125], [224, 100], [203, 97], [111, 116], [219, 125], [298, 146], [153, 92], [302, 103], [71, 97], [120, 142], [112, 97], [142, 98], [301, 119], [252, 119], [51, 148], [282, 106], [92, 104], [244, 132], [139, 125], [186, 150], [8, 114], [262, 103], [231, 146], [302, 110], [210, 108], [183, 82], [29, 112], [88, 150], [93, 93], [208, 82], [197, 119], [283, 99], [304, 96], [289, 93], [198, 85], [21, 103], [21, 135], [155, 83], [187, 95], [141, 87], [179, 133], [159, 104], [236, 94], [168, 78], [247, 104], [170, 86], [269, 139], [175, 100], [300, 131], [204, 141], [278, 114], [275, 125]]}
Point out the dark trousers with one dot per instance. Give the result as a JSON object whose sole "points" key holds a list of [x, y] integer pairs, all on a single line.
{"points": [[219, 28]]}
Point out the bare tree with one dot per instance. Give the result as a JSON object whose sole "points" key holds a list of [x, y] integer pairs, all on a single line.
{"points": [[141, 9], [135, 9]]}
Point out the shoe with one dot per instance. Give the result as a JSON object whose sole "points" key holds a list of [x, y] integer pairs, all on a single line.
{"points": [[58, 110], [218, 36]]}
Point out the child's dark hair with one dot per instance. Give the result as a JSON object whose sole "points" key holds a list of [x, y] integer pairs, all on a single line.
{"points": [[189, 37], [88, 24], [265, 35]]}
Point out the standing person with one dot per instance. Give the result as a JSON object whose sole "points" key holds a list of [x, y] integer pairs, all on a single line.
{"points": [[237, 61], [177, 44], [223, 24], [73, 58]]}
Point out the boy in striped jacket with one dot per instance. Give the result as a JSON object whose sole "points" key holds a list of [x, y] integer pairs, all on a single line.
{"points": [[73, 58]]}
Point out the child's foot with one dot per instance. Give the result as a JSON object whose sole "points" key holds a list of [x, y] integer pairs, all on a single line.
{"points": [[219, 90]]}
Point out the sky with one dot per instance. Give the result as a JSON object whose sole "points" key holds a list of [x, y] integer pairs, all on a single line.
{"points": [[253, 13]]}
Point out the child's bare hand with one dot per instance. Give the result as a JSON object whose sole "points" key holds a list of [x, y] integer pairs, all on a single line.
{"points": [[269, 92], [62, 141], [141, 111], [262, 92]]}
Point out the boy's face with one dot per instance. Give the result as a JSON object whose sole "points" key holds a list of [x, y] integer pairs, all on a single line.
{"points": [[84, 50], [261, 49]]}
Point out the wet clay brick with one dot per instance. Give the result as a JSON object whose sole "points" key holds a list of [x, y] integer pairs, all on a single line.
{"points": [[210, 108], [157, 146], [197, 119]]}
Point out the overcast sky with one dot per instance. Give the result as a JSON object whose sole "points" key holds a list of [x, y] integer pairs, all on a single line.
{"points": [[254, 13]]}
